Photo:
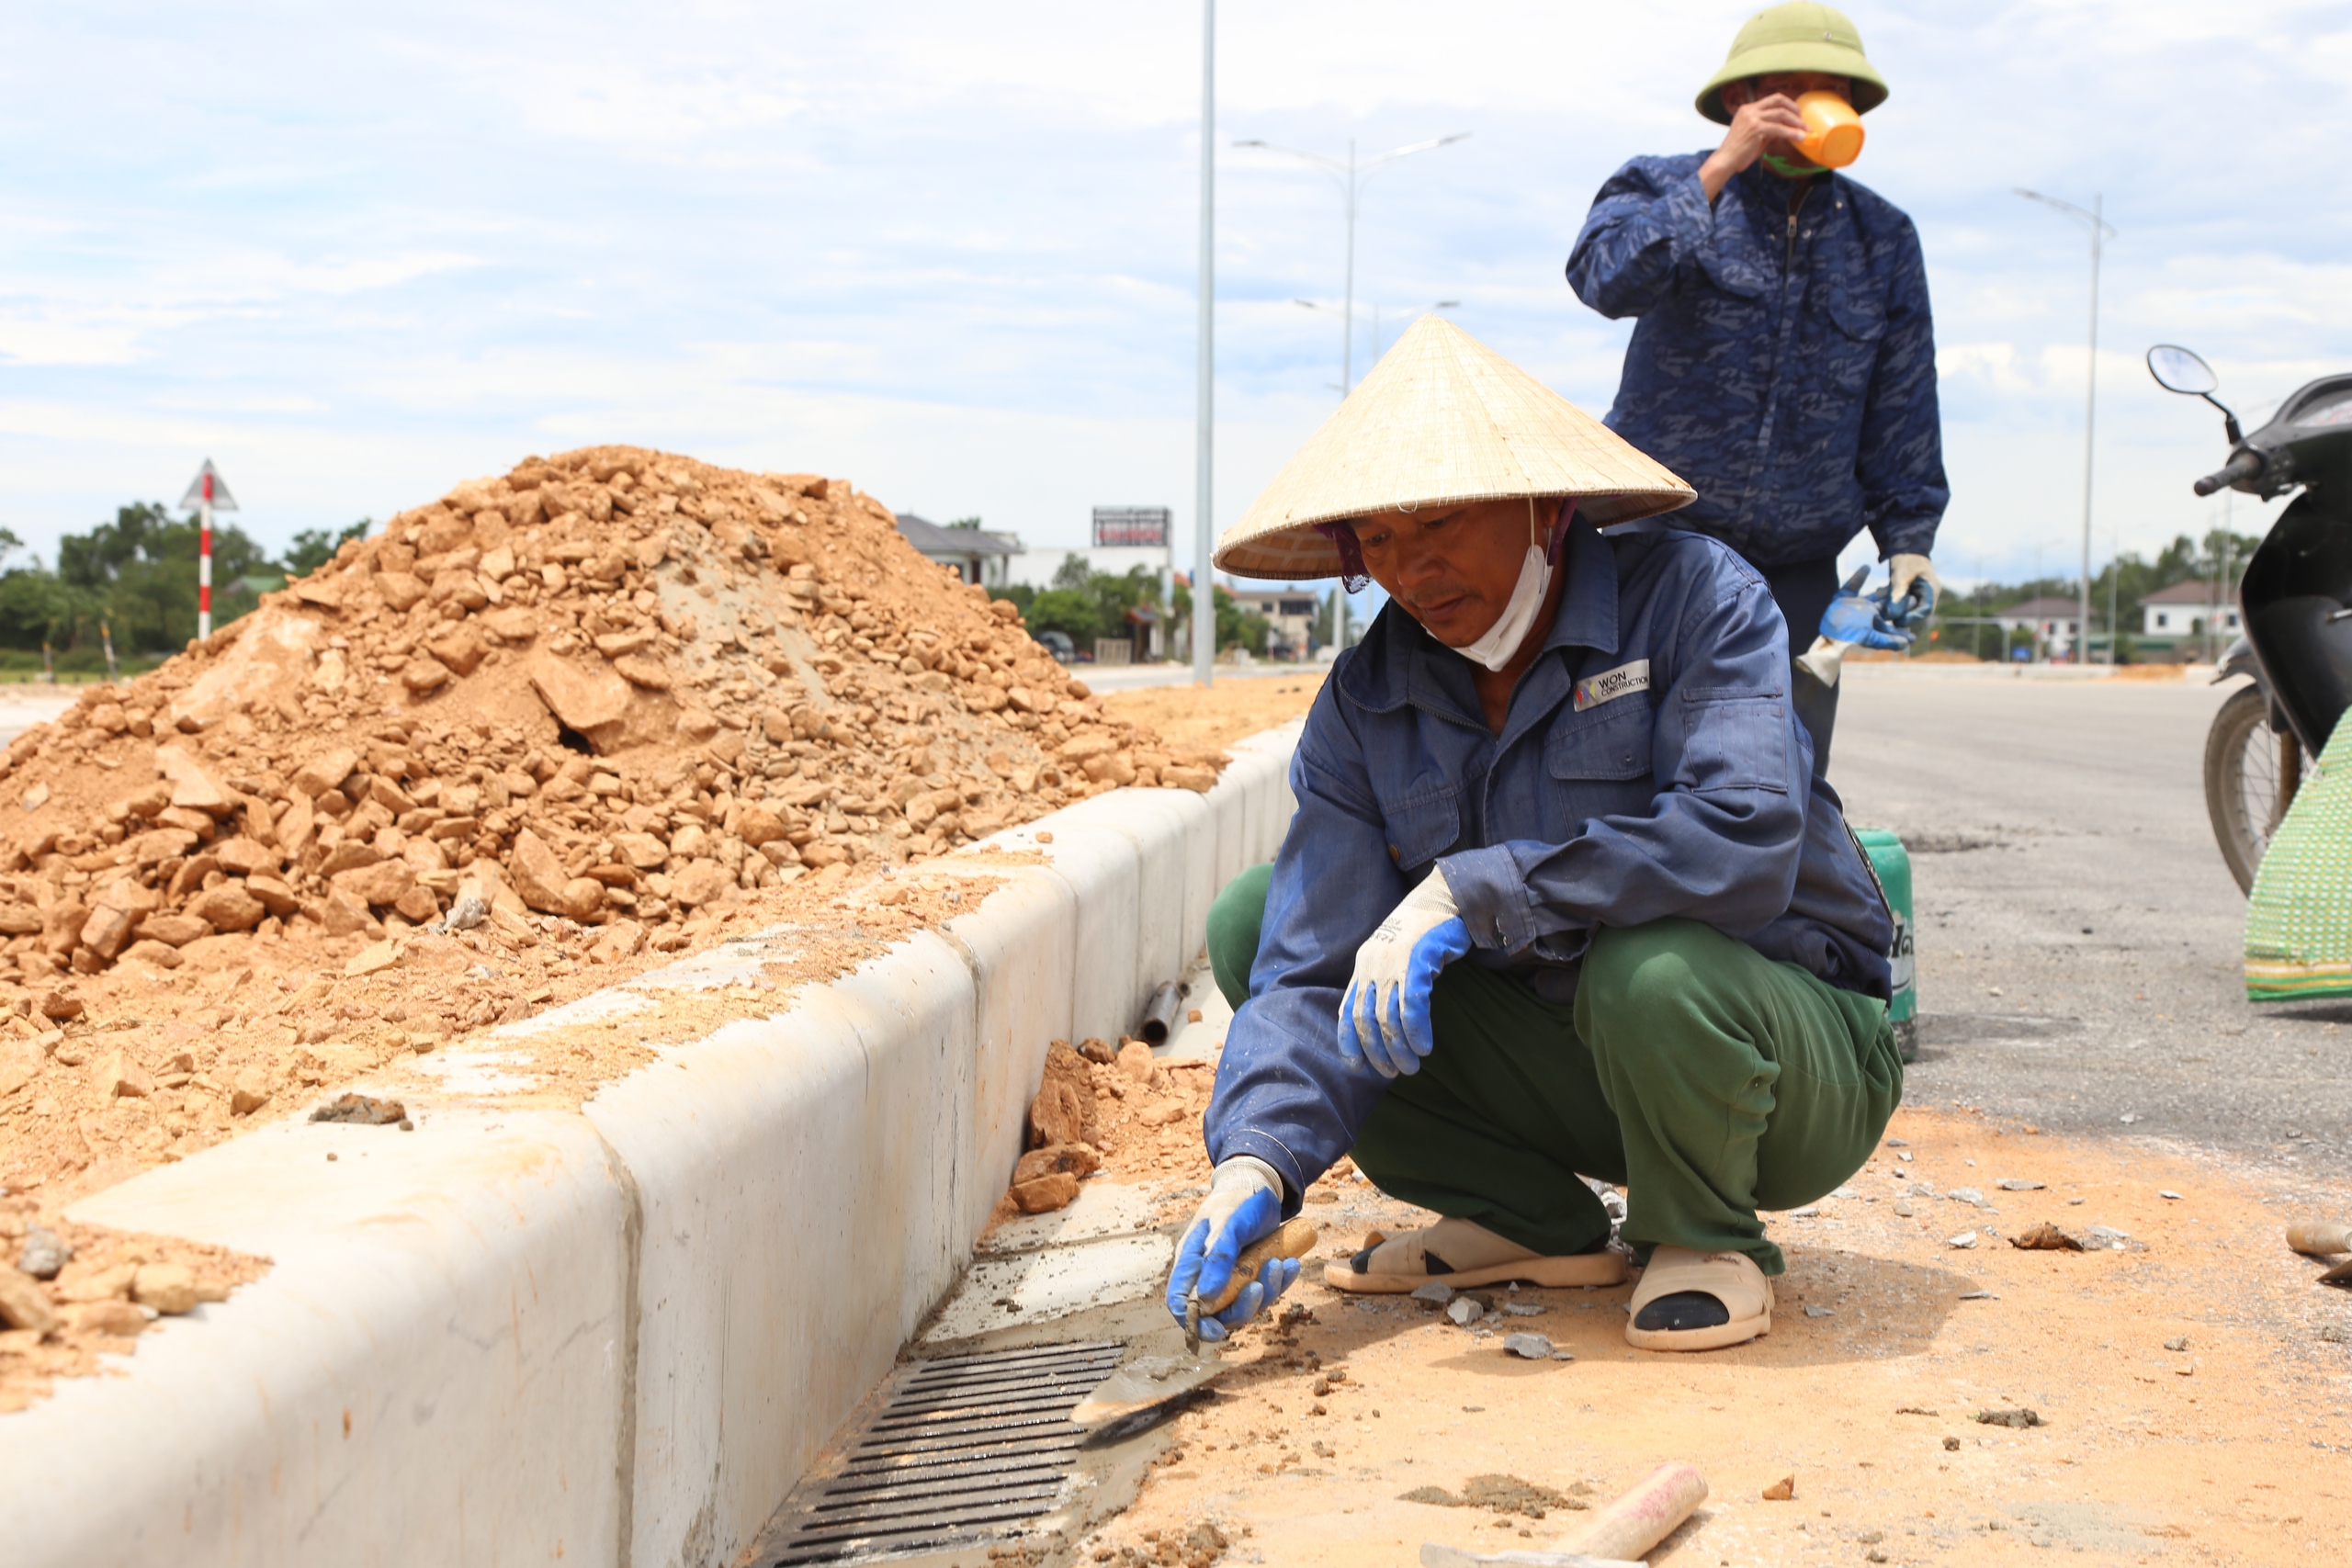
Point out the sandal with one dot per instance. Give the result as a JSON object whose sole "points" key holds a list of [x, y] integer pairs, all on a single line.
{"points": [[1699, 1301], [1461, 1253]]}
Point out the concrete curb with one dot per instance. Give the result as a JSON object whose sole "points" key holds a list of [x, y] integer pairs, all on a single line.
{"points": [[618, 1335]]}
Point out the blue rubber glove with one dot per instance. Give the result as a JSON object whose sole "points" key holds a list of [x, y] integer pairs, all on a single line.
{"points": [[1385, 1013], [1244, 1202], [1912, 586], [1862, 619]]}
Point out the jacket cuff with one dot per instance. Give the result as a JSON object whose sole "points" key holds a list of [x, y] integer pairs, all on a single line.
{"points": [[1492, 895], [1689, 214], [1249, 1143], [1911, 536]]}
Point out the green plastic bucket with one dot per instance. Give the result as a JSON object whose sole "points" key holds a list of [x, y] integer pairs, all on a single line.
{"points": [[1892, 861]]}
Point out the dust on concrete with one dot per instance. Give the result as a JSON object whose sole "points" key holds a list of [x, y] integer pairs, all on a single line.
{"points": [[1501, 1495], [2230, 1450]]}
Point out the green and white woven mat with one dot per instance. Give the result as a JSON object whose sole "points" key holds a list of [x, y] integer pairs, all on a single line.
{"points": [[2298, 919]]}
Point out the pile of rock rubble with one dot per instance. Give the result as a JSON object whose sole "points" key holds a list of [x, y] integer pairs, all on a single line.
{"points": [[614, 686]]}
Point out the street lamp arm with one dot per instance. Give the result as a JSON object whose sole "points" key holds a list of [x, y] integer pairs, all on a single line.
{"points": [[1331, 166], [2087, 217], [1395, 153]]}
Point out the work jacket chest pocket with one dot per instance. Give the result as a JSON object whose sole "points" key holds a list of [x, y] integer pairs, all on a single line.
{"points": [[1597, 763], [1735, 739], [1422, 827], [1846, 331]]}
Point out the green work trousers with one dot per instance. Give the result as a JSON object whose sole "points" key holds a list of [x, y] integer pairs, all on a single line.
{"points": [[1705, 1078]]}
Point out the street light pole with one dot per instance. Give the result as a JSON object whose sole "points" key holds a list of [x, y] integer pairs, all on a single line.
{"points": [[1350, 177], [1205, 386], [2100, 232]]}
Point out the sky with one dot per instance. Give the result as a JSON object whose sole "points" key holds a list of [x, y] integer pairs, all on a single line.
{"points": [[355, 254]]}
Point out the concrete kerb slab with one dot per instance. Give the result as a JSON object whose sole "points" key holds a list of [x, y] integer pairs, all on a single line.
{"points": [[1156, 824], [805, 1204], [618, 1334], [431, 1373]]}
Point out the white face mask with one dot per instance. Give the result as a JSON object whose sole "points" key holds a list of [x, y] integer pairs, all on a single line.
{"points": [[1502, 639]]}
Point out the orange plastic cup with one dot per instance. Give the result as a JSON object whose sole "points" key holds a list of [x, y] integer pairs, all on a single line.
{"points": [[1833, 131]]}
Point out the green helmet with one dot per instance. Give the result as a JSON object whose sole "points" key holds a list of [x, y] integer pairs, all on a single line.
{"points": [[1800, 36]]}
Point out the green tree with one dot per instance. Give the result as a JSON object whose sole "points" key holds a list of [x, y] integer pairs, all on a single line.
{"points": [[1235, 626], [964, 523], [313, 548], [1067, 611], [141, 572]]}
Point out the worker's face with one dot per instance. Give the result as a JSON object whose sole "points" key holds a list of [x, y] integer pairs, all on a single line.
{"points": [[1453, 569], [1786, 84]]}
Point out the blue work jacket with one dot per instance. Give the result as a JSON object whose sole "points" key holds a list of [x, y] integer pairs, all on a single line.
{"points": [[1784, 364], [1650, 765]]}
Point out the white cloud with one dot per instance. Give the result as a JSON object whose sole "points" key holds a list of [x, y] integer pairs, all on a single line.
{"points": [[948, 252]]}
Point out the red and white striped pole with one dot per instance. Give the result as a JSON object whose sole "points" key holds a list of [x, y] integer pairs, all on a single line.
{"points": [[206, 494], [204, 559]]}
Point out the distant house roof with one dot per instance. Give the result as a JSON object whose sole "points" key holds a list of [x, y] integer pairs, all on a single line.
{"points": [[930, 539], [2193, 591], [2041, 610]]}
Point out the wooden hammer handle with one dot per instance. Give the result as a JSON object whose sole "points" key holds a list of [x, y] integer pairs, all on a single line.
{"points": [[2319, 1240], [1628, 1527], [1294, 1238]]}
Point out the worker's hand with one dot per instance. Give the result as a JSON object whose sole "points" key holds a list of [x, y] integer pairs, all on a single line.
{"points": [[1769, 124], [1385, 1013], [1857, 618], [1912, 590], [1244, 1202]]}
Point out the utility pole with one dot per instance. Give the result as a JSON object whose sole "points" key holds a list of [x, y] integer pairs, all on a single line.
{"points": [[2100, 232], [1205, 390]]}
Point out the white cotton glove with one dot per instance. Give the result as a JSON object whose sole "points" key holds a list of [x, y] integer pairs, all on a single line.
{"points": [[1912, 578], [1244, 1202], [1385, 1014]]}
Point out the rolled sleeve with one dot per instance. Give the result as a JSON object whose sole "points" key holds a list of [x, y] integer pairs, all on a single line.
{"points": [[1643, 226], [1725, 834], [1281, 1093], [1899, 461]]}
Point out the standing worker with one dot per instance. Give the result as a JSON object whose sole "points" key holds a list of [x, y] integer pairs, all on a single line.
{"points": [[1782, 360], [1562, 898]]}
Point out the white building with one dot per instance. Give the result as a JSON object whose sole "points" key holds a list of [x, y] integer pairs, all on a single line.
{"points": [[2054, 623], [1291, 616], [976, 556], [2186, 609]]}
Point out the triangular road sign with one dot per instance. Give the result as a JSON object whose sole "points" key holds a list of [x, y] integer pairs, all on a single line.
{"points": [[208, 485]]}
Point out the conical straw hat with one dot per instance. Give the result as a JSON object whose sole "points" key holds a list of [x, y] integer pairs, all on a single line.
{"points": [[1441, 419]]}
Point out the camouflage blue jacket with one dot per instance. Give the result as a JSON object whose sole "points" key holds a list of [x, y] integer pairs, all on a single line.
{"points": [[1785, 366]]}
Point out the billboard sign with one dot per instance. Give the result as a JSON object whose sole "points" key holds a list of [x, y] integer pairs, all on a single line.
{"points": [[1131, 525]]}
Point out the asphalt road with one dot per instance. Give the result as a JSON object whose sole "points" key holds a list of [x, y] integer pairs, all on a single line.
{"points": [[2078, 936]]}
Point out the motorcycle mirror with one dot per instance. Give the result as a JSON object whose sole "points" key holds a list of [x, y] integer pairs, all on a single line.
{"points": [[2178, 370]]}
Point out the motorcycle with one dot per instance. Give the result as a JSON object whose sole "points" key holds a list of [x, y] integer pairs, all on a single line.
{"points": [[2297, 644]]}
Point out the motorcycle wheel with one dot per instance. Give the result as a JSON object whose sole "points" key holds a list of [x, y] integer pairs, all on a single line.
{"points": [[2241, 792]]}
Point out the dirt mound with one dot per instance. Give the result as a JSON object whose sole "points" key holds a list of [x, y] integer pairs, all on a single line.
{"points": [[532, 737], [615, 686]]}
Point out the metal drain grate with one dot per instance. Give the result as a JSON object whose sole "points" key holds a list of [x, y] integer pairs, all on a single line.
{"points": [[963, 1449]]}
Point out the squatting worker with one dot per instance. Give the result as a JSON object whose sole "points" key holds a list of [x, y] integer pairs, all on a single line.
{"points": [[1562, 898], [1782, 360]]}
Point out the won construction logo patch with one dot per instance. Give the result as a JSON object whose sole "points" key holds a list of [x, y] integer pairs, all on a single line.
{"points": [[1611, 684]]}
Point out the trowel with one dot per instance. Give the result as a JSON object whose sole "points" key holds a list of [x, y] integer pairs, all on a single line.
{"points": [[1150, 1381]]}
